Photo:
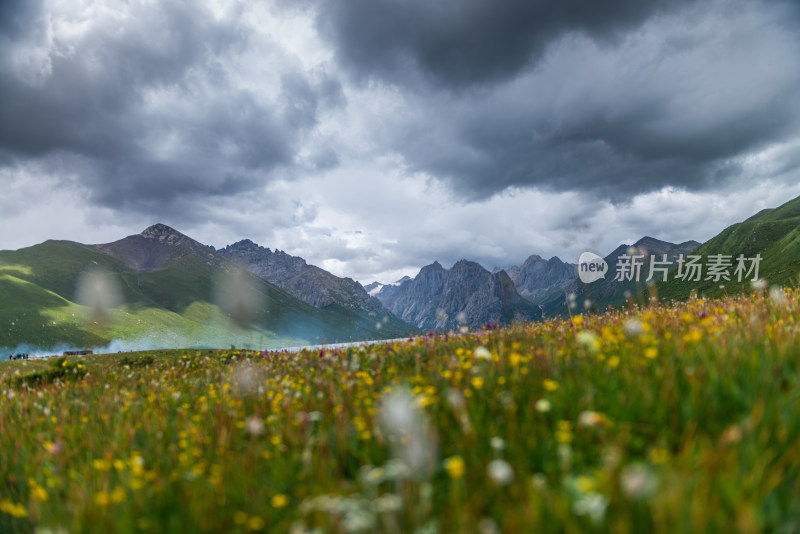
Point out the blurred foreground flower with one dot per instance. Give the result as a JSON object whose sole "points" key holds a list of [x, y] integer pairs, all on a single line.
{"points": [[409, 432], [100, 292], [482, 353], [454, 466], [590, 419], [238, 295], [500, 472], [638, 481], [254, 426]]}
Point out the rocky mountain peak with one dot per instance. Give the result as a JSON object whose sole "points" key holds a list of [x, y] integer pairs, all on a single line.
{"points": [[653, 245], [466, 294], [466, 264], [309, 283], [161, 232], [245, 244], [434, 269], [536, 275], [157, 247]]}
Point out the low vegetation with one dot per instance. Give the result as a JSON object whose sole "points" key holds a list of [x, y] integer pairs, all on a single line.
{"points": [[665, 419]]}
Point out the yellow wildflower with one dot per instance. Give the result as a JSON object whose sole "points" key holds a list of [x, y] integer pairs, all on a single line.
{"points": [[13, 509], [279, 500], [550, 385], [454, 466], [255, 523]]}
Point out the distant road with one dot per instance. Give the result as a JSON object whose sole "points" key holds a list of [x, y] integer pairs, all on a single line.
{"points": [[325, 346]]}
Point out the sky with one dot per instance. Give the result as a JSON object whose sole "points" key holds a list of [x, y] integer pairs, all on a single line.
{"points": [[372, 137]]}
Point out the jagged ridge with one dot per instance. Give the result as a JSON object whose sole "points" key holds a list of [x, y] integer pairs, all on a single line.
{"points": [[467, 294]]}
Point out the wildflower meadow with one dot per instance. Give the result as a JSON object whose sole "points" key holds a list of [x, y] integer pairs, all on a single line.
{"points": [[680, 418]]}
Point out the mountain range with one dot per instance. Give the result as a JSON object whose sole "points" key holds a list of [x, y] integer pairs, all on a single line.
{"points": [[536, 276], [464, 295], [577, 296], [169, 291], [161, 288], [309, 283]]}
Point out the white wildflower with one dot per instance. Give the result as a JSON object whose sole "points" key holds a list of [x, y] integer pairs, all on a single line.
{"points": [[500, 472]]}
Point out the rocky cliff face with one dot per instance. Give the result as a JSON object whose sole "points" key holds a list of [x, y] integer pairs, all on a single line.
{"points": [[536, 275], [309, 283], [271, 266], [376, 287], [467, 294]]}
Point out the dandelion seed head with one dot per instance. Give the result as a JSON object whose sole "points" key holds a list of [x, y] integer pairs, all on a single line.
{"points": [[482, 353], [410, 433], [633, 327], [500, 472], [590, 419], [498, 444], [758, 284], [455, 399], [638, 481], [593, 505], [254, 426], [777, 295]]}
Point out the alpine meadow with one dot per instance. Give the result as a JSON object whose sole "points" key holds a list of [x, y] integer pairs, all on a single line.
{"points": [[399, 267]]}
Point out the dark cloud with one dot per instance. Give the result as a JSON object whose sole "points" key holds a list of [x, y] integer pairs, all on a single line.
{"points": [[145, 109], [458, 43], [614, 98], [615, 157]]}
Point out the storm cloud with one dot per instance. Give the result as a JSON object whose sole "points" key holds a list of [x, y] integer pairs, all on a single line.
{"points": [[143, 102], [619, 97], [458, 44]]}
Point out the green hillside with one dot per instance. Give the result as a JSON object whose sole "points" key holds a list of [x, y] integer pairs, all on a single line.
{"points": [[609, 292], [772, 233], [170, 307]]}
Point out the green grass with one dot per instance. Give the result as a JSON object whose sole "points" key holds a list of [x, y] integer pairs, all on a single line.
{"points": [[171, 307], [777, 240], [666, 420], [772, 233]]}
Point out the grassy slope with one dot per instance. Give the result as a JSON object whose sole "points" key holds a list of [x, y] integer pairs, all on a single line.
{"points": [[168, 307], [602, 293], [775, 234]]}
